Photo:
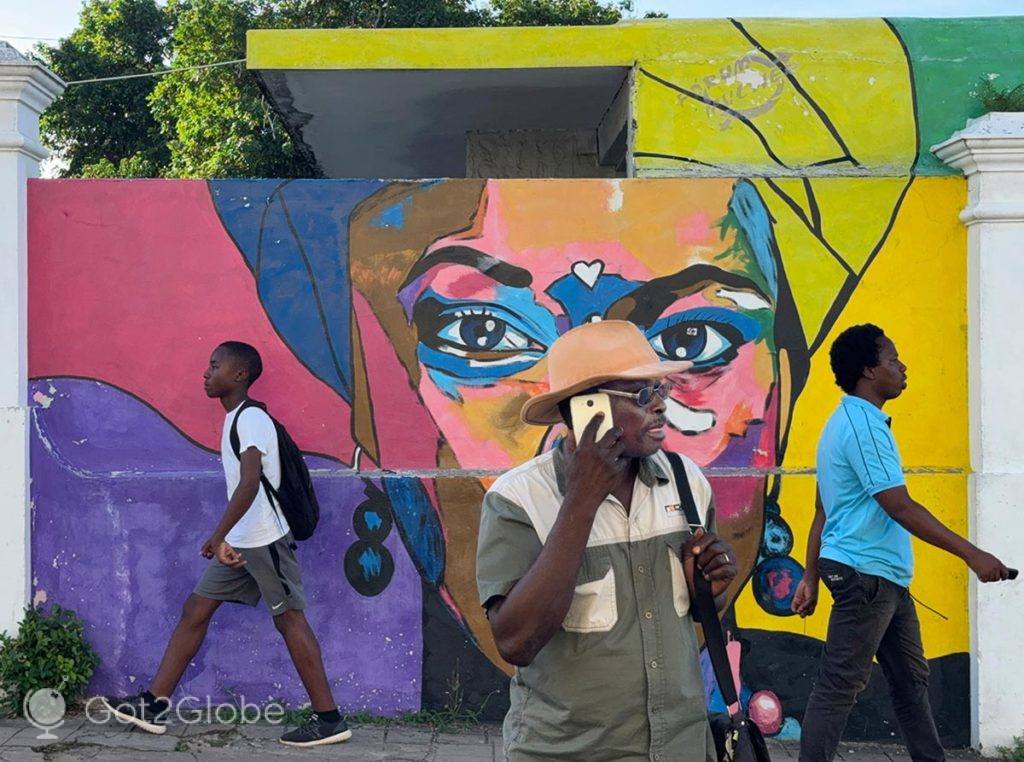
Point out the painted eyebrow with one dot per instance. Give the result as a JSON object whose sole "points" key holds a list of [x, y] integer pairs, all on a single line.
{"points": [[653, 297], [502, 272]]}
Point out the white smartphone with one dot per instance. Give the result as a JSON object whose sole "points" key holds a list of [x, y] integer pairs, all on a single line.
{"points": [[584, 407]]}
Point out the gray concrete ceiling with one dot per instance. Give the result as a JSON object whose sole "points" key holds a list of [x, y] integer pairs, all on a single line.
{"points": [[413, 123]]}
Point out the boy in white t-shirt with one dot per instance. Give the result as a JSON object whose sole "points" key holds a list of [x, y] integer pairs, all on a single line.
{"points": [[252, 556]]}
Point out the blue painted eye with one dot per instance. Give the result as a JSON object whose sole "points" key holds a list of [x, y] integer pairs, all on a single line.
{"points": [[699, 342], [479, 330]]}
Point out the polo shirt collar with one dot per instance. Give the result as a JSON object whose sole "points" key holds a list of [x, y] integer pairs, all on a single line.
{"points": [[651, 472], [878, 413]]}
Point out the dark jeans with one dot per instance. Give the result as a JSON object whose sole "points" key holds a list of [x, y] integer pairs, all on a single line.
{"points": [[871, 616]]}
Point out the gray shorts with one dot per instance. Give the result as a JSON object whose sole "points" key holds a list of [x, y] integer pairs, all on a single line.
{"points": [[270, 572]]}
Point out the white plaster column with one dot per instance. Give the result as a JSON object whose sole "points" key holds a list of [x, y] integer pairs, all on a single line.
{"points": [[990, 152], [26, 89]]}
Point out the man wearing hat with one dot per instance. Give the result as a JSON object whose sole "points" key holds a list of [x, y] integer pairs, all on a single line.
{"points": [[580, 567]]}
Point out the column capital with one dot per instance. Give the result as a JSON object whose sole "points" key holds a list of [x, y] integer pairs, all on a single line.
{"points": [[990, 153], [27, 88], [991, 143]]}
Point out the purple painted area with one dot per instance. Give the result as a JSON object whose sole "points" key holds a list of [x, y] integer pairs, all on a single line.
{"points": [[121, 505]]}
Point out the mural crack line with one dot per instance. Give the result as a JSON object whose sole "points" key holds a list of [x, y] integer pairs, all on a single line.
{"points": [[781, 66], [745, 120]]}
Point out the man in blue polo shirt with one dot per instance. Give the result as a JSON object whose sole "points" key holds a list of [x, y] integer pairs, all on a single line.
{"points": [[859, 544]]}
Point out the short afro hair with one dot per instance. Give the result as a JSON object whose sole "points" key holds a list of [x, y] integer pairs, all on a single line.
{"points": [[854, 349], [247, 355]]}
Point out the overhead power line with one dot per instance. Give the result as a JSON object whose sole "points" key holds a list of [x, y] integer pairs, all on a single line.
{"points": [[156, 73]]}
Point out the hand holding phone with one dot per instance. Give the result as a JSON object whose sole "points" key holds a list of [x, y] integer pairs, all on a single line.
{"points": [[584, 407]]}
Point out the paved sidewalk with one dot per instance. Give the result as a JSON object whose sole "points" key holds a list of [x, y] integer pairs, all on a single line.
{"points": [[79, 739]]}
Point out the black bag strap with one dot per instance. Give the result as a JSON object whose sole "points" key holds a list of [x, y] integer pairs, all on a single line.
{"points": [[236, 448], [704, 606]]}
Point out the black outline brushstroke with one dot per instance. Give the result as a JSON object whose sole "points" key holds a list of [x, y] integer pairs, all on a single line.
{"points": [[316, 295], [672, 157], [795, 207], [847, 289], [252, 269], [721, 107], [799, 88], [827, 162], [812, 205], [913, 94], [166, 420]]}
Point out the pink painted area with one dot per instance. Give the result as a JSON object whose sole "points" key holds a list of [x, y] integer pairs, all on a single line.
{"points": [[735, 496], [406, 435], [696, 229], [482, 451], [147, 324]]}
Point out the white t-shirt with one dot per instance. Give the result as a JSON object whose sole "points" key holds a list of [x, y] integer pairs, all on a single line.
{"points": [[261, 524]]}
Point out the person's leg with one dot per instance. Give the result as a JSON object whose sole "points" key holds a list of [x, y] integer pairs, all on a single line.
{"points": [[858, 620], [304, 648], [184, 643], [902, 659]]}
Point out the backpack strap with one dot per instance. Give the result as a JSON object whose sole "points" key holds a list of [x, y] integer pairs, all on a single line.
{"points": [[236, 447], [704, 606]]}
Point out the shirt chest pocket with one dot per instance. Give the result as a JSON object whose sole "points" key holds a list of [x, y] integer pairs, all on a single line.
{"points": [[593, 607], [680, 590]]}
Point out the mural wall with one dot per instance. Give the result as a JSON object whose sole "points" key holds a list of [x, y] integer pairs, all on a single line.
{"points": [[402, 326]]}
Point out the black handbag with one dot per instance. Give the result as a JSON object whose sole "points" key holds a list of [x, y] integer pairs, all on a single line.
{"points": [[737, 739]]}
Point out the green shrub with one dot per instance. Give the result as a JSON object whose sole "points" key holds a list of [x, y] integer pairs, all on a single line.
{"points": [[1013, 753], [49, 651], [994, 99]]}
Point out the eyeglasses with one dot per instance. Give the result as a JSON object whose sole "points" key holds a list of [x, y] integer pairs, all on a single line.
{"points": [[643, 397]]}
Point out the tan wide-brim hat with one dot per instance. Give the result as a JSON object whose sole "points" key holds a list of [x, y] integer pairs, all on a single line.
{"points": [[593, 354]]}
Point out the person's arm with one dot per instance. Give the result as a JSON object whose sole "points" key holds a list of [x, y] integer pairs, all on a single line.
{"points": [[918, 520], [524, 620], [805, 600], [709, 554], [241, 499]]}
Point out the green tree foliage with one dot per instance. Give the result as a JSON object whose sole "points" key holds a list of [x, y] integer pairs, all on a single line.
{"points": [[104, 124], [216, 122]]}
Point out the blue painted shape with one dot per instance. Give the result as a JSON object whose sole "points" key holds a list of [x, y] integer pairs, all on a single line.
{"points": [[294, 237], [418, 526], [391, 217], [372, 519], [581, 301], [790, 730], [370, 563], [755, 222]]}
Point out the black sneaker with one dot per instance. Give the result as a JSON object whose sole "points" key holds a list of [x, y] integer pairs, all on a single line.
{"points": [[149, 715], [316, 732]]}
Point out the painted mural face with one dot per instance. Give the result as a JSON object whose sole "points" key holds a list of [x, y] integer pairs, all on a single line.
{"points": [[488, 302], [696, 271]]}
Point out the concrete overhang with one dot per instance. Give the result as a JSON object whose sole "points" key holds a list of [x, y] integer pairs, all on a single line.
{"points": [[400, 102]]}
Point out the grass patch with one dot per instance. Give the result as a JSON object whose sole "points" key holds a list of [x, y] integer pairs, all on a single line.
{"points": [[1013, 753]]}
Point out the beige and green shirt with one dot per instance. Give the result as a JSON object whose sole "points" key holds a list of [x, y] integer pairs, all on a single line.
{"points": [[622, 678]]}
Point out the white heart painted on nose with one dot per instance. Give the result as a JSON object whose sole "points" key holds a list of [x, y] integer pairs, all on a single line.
{"points": [[588, 272], [688, 420]]}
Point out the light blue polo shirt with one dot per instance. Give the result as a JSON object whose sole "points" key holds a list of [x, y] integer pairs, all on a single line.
{"points": [[857, 459]]}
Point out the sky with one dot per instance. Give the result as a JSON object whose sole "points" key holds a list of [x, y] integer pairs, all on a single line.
{"points": [[24, 22]]}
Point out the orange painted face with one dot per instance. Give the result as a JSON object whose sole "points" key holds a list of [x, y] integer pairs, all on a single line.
{"points": [[487, 302], [472, 313]]}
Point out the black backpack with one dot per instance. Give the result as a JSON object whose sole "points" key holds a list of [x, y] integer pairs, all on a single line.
{"points": [[294, 498]]}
